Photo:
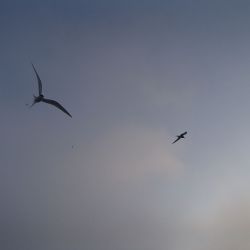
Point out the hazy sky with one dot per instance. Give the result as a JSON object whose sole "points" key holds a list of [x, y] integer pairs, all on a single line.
{"points": [[133, 74]]}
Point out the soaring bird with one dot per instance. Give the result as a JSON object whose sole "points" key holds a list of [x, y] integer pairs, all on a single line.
{"points": [[40, 97], [181, 136]]}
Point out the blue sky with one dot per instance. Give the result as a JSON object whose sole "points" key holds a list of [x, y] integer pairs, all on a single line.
{"points": [[133, 74]]}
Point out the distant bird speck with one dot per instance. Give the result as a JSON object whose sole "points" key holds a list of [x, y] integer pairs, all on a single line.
{"points": [[181, 136], [41, 98]]}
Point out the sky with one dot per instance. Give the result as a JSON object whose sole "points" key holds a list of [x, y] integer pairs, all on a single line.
{"points": [[133, 74]]}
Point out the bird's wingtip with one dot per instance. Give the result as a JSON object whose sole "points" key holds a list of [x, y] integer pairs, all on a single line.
{"points": [[32, 65]]}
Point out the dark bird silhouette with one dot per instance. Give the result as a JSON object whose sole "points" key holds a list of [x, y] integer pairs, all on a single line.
{"points": [[40, 97], [181, 136]]}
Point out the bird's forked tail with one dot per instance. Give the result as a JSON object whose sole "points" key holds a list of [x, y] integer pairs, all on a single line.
{"points": [[34, 101]]}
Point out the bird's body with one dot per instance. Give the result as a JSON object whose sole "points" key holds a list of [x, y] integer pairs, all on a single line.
{"points": [[181, 136], [40, 97]]}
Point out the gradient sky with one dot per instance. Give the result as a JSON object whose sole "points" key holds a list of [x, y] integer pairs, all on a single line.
{"points": [[133, 74]]}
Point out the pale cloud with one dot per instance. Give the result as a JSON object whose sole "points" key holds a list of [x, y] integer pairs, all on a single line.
{"points": [[227, 229], [132, 153], [218, 218]]}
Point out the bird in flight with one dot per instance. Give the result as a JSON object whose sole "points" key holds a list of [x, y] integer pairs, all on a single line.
{"points": [[181, 136], [40, 97]]}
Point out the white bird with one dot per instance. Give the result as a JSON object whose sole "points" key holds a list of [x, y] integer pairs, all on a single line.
{"points": [[181, 136], [41, 98]]}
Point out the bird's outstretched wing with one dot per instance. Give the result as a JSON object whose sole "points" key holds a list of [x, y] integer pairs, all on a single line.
{"points": [[56, 104], [178, 138], [184, 133], [40, 88]]}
